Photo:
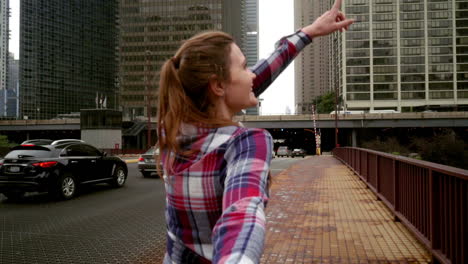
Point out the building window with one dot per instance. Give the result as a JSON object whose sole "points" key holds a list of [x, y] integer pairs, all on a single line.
{"points": [[358, 96], [358, 87], [441, 95], [385, 96], [385, 78], [413, 69], [413, 78], [385, 87], [413, 95], [413, 87], [441, 86]]}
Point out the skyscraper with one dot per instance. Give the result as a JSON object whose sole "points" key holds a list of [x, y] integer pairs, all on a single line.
{"points": [[316, 68], [67, 56], [250, 31], [4, 38], [406, 54], [250, 39], [150, 33], [13, 87]]}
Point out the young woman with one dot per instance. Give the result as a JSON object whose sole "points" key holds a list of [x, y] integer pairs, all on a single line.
{"points": [[216, 171]]}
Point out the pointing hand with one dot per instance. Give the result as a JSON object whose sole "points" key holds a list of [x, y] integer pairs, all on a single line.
{"points": [[329, 22]]}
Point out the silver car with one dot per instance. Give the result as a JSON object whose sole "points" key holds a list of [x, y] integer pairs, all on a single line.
{"points": [[283, 151], [147, 163]]}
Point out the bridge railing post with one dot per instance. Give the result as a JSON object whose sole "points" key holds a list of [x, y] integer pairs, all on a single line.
{"points": [[396, 189]]}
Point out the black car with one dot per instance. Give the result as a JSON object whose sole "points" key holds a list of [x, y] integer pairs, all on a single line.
{"points": [[298, 153], [147, 162], [58, 168]]}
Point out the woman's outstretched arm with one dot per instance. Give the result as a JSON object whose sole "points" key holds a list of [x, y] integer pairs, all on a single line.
{"points": [[287, 48]]}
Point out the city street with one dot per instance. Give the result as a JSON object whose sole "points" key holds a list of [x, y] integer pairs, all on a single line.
{"points": [[100, 225]]}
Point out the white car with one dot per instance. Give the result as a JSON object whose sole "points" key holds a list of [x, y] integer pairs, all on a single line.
{"points": [[283, 151]]}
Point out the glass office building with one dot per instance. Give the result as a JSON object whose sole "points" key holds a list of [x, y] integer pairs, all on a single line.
{"points": [[13, 86], [4, 37], [150, 33], [406, 54], [67, 57]]}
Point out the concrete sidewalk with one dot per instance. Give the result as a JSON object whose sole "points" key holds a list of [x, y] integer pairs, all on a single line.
{"points": [[320, 212]]}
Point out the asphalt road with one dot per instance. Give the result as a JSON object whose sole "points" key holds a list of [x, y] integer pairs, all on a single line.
{"points": [[100, 225]]}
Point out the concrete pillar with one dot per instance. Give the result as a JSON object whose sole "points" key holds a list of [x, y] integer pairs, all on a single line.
{"points": [[353, 138]]}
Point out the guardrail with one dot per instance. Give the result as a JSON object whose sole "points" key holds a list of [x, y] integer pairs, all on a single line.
{"points": [[429, 198]]}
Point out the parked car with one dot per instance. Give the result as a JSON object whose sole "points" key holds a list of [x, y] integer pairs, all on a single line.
{"points": [[38, 141], [298, 153], [59, 169], [42, 141], [147, 162], [283, 151]]}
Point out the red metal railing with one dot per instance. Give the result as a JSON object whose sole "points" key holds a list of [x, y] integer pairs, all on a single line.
{"points": [[429, 198]]}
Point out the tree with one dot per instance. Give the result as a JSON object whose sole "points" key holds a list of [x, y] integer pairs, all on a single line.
{"points": [[325, 103], [4, 143]]}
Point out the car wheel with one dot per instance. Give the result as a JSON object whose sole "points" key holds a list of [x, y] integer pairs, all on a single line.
{"points": [[66, 187], [146, 174], [14, 196], [119, 177]]}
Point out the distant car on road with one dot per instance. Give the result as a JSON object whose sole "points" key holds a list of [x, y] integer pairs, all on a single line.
{"points": [[298, 153], [59, 169], [283, 151], [147, 162]]}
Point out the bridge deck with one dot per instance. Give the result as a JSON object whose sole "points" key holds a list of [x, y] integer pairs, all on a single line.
{"points": [[319, 212]]}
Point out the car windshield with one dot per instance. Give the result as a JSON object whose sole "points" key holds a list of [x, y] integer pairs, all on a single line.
{"points": [[152, 151], [283, 148], [297, 149], [33, 153]]}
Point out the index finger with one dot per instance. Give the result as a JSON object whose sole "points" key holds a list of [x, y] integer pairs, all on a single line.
{"points": [[337, 4]]}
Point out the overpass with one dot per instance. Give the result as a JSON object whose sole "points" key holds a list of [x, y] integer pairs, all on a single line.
{"points": [[353, 127], [433, 119]]}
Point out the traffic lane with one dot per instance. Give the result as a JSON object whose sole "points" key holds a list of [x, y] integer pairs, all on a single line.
{"points": [[280, 164], [100, 225]]}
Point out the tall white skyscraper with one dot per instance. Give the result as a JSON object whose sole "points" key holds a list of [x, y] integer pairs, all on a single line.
{"points": [[4, 37], [406, 55]]}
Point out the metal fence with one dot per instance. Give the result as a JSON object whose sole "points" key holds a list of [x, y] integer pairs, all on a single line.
{"points": [[429, 198]]}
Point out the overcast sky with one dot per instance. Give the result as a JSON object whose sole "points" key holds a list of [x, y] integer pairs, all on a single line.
{"points": [[276, 20], [14, 28]]}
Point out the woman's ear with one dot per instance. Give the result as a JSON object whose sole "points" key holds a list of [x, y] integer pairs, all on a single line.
{"points": [[216, 86]]}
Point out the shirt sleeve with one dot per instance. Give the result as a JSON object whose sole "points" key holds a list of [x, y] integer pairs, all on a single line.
{"points": [[239, 234], [286, 49]]}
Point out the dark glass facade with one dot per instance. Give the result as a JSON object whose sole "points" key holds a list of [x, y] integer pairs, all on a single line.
{"points": [[67, 56], [152, 30]]}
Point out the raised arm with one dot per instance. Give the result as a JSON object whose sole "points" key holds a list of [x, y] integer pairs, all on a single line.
{"points": [[267, 70]]}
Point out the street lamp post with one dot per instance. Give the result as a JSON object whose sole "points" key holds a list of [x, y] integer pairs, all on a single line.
{"points": [[148, 103]]}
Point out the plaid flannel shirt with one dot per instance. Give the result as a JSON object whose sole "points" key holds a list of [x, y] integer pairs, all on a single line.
{"points": [[215, 199]]}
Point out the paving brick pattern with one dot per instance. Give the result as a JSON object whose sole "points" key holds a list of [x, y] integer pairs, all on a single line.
{"points": [[320, 212]]}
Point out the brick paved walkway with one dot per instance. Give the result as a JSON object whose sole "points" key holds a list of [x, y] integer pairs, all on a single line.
{"points": [[319, 212]]}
